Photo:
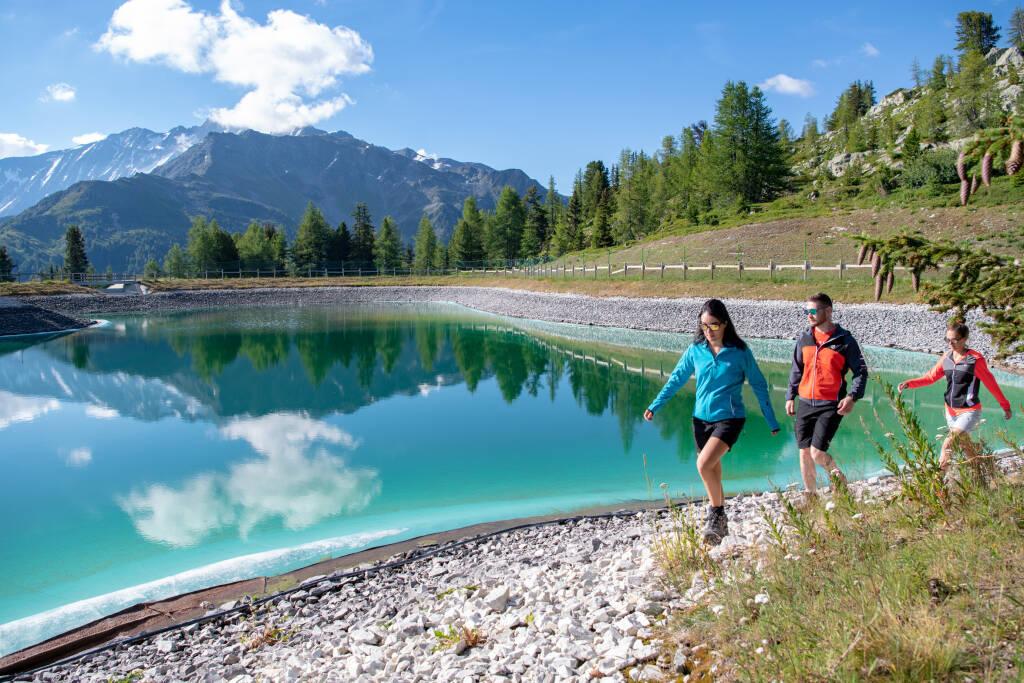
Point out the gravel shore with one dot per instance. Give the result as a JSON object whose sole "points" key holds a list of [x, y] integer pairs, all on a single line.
{"points": [[573, 601], [912, 327], [17, 318]]}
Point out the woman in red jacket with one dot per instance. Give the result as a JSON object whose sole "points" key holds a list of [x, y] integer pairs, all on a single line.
{"points": [[963, 368]]}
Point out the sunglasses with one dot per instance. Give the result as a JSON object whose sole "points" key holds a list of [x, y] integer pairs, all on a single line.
{"points": [[954, 340], [714, 327], [810, 311]]}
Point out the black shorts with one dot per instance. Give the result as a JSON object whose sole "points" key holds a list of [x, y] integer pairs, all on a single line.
{"points": [[726, 430], [816, 425]]}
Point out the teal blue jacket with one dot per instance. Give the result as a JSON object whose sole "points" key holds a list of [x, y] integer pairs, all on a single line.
{"points": [[719, 383]]}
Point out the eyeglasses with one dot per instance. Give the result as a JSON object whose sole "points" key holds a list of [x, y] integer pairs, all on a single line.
{"points": [[811, 311], [714, 327], [954, 340]]}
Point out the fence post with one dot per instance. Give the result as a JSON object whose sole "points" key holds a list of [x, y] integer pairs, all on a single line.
{"points": [[643, 269], [739, 269], [842, 265], [771, 270], [711, 269], [807, 267], [685, 268], [662, 271]]}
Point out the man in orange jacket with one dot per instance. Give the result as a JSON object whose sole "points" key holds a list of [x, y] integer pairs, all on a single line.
{"points": [[818, 394]]}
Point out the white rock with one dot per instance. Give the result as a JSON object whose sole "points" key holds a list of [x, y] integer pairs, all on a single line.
{"points": [[497, 599]]}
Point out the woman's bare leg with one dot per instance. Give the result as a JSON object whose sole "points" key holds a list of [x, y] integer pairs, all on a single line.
{"points": [[709, 466]]}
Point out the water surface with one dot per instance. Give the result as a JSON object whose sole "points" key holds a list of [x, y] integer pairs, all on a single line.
{"points": [[166, 452]]}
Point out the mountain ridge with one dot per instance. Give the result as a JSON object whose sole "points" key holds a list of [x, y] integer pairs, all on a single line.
{"points": [[239, 177]]}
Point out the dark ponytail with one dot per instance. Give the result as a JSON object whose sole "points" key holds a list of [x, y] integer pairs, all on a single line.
{"points": [[717, 309]]}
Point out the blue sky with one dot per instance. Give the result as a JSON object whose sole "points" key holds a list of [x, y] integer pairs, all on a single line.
{"points": [[542, 86]]}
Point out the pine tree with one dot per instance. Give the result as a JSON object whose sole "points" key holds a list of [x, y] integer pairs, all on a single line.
{"points": [[809, 136], [311, 241], [151, 270], [425, 247], [570, 235], [6, 266], [76, 261], [340, 248], [1016, 28], [911, 145], [747, 160], [388, 246], [600, 233], [467, 240], [916, 74], [535, 226], [595, 184], [362, 237], [937, 80], [176, 262], [975, 32], [554, 207], [973, 94], [506, 230]]}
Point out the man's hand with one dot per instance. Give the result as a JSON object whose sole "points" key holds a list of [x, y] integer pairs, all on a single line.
{"points": [[790, 408], [648, 415], [845, 406]]}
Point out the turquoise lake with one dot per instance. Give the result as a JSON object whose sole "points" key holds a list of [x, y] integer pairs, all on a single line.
{"points": [[161, 453]]}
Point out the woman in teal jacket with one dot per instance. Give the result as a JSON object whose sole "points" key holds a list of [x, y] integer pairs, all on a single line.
{"points": [[721, 362]]}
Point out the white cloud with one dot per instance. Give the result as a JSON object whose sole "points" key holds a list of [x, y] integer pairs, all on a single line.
{"points": [[59, 92], [787, 85], [14, 408], [290, 483], [286, 63], [88, 138], [869, 50], [826, 63], [101, 412], [79, 457], [70, 33], [14, 145]]}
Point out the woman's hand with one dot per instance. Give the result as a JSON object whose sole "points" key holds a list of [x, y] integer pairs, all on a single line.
{"points": [[648, 415], [775, 432], [1007, 414], [902, 386]]}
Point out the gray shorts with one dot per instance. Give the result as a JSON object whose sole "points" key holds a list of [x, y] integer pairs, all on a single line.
{"points": [[965, 422]]}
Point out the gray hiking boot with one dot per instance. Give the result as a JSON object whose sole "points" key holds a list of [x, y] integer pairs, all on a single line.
{"points": [[717, 526]]}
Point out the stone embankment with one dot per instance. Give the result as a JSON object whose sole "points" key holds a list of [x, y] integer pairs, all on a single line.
{"points": [[911, 327], [18, 317], [575, 601]]}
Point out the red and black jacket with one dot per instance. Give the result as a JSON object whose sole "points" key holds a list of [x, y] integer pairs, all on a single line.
{"points": [[962, 378], [819, 372]]}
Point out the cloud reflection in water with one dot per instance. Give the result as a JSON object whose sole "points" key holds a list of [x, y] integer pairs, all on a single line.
{"points": [[291, 483]]}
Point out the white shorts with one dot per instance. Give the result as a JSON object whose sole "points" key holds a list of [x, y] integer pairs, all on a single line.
{"points": [[966, 422]]}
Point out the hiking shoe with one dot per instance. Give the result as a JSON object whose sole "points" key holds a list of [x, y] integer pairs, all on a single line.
{"points": [[717, 526]]}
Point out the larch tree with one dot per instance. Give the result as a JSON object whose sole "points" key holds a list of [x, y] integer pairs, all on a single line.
{"points": [[388, 246], [424, 247], [311, 241], [976, 32]]}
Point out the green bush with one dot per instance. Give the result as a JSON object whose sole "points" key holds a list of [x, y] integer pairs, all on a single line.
{"points": [[932, 168]]}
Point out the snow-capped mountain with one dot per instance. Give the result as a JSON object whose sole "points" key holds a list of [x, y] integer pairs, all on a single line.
{"points": [[26, 180]]}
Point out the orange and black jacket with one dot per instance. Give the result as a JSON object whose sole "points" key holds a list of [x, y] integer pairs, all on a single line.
{"points": [[819, 372], [962, 378]]}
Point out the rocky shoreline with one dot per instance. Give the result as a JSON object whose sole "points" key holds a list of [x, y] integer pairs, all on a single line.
{"points": [[574, 600], [21, 318], [912, 327], [577, 600]]}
